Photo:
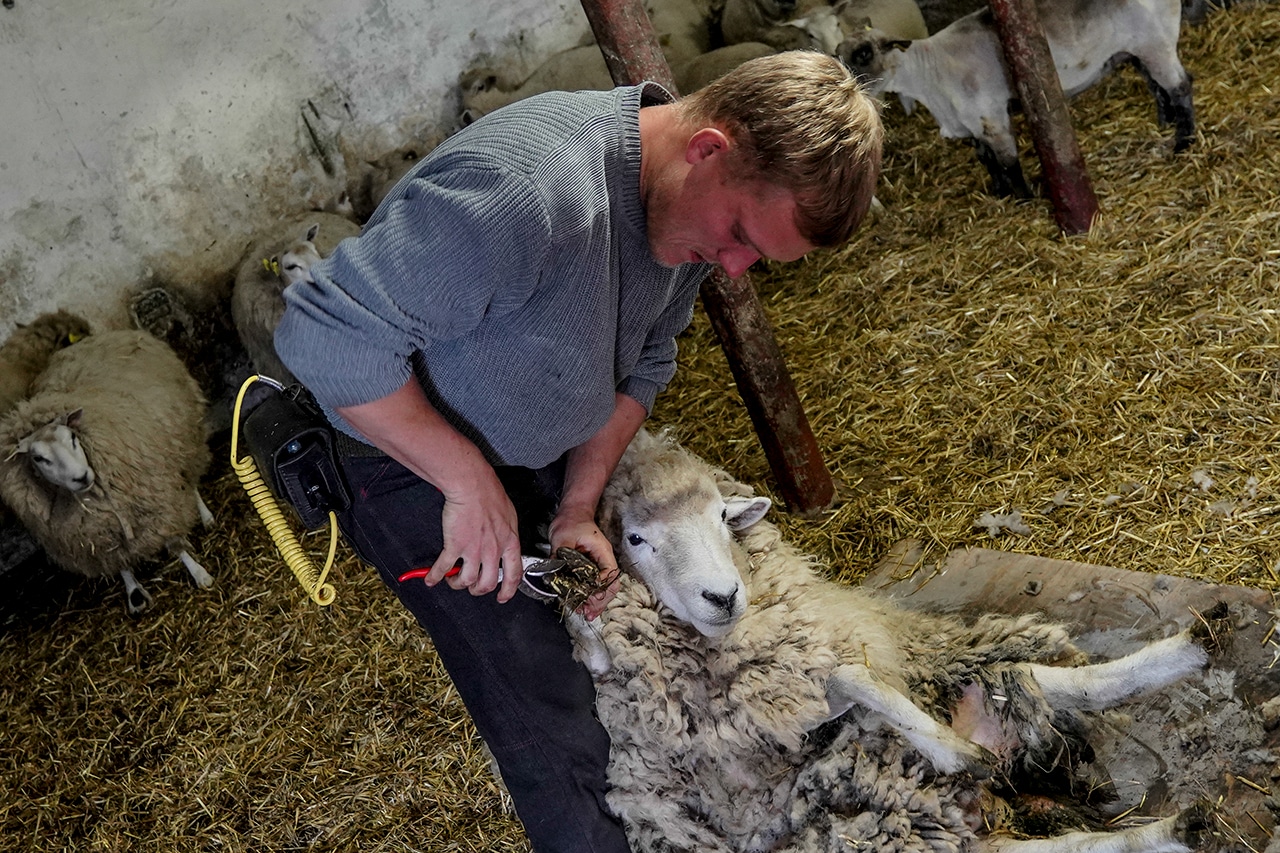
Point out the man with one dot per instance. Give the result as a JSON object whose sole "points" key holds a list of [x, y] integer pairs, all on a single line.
{"points": [[492, 341]]}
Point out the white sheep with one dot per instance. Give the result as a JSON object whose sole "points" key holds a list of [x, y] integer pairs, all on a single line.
{"points": [[372, 179], [960, 76], [753, 705], [26, 352], [701, 70], [683, 28], [897, 18], [485, 89], [272, 263], [101, 462], [827, 24]]}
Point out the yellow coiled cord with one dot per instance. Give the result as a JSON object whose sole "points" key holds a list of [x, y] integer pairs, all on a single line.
{"points": [[273, 517]]}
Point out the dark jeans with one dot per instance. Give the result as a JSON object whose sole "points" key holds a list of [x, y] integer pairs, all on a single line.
{"points": [[511, 663]]}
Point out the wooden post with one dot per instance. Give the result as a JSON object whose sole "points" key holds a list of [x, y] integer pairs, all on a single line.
{"points": [[626, 38], [1026, 51]]}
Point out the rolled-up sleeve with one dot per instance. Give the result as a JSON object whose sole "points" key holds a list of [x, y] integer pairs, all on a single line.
{"points": [[421, 272], [657, 363]]}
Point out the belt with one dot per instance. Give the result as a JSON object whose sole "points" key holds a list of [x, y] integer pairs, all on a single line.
{"points": [[348, 446]]}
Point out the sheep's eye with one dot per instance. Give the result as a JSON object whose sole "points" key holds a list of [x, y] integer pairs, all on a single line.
{"points": [[635, 538], [724, 515], [75, 441], [40, 460]]}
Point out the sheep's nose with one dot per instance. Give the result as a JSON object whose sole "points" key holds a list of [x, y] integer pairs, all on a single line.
{"points": [[84, 481], [724, 602]]}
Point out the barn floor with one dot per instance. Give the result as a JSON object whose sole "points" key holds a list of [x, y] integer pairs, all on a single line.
{"points": [[959, 357]]}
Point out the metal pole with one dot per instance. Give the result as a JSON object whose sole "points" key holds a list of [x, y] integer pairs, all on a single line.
{"points": [[1031, 64]]}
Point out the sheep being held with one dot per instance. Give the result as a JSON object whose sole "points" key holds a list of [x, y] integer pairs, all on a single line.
{"points": [[102, 461], [754, 706], [959, 74]]}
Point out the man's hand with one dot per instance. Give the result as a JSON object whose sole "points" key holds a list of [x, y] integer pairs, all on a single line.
{"points": [[479, 522], [480, 535], [579, 532]]}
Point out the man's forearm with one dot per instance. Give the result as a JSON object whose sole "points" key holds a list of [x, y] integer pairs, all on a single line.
{"points": [[406, 427], [590, 465]]}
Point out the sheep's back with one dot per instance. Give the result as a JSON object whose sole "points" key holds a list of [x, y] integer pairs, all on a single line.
{"points": [[143, 432], [149, 473]]}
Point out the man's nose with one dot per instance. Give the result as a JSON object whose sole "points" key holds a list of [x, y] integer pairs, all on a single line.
{"points": [[735, 261]]}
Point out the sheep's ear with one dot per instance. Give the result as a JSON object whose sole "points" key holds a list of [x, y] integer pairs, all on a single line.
{"points": [[24, 444], [71, 419], [744, 512], [312, 232]]}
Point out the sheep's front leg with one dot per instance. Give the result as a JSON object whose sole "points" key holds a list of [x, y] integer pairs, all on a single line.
{"points": [[203, 579], [1099, 686], [136, 597], [1178, 834], [589, 647], [179, 546], [856, 685]]}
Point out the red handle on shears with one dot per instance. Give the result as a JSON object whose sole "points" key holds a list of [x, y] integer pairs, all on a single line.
{"points": [[422, 573]]}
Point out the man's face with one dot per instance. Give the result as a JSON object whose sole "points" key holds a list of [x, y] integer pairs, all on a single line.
{"points": [[703, 213]]}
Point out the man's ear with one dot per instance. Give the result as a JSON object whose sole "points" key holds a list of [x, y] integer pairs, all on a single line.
{"points": [[705, 143]]}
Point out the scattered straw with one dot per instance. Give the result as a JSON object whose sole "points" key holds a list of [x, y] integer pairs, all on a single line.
{"points": [[958, 358]]}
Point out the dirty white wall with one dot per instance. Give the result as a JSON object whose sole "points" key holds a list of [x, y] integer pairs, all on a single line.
{"points": [[143, 141]]}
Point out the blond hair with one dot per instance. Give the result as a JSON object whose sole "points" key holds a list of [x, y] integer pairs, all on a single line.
{"points": [[800, 121]]}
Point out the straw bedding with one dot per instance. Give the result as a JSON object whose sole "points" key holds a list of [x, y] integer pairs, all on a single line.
{"points": [[1119, 390]]}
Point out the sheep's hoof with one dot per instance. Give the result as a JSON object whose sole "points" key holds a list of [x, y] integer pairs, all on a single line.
{"points": [[137, 600], [1212, 629], [981, 765], [1193, 824]]}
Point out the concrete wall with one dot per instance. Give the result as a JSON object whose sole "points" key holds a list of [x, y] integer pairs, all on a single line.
{"points": [[142, 142]]}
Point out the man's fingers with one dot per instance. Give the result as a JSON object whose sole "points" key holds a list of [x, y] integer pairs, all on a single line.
{"points": [[512, 573], [488, 575], [446, 565]]}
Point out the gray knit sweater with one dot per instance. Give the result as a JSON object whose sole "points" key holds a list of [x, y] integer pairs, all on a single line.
{"points": [[510, 271]]}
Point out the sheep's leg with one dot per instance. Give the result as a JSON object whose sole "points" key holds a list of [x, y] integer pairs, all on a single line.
{"points": [[1105, 685], [203, 579], [136, 597], [1005, 170], [1170, 85], [206, 517], [589, 647], [1178, 834], [856, 685]]}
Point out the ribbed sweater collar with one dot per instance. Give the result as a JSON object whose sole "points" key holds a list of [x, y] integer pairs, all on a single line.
{"points": [[627, 189]]}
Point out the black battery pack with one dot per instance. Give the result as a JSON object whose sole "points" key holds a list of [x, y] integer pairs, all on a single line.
{"points": [[294, 447]]}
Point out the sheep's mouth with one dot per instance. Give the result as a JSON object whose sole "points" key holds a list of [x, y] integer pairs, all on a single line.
{"points": [[716, 628]]}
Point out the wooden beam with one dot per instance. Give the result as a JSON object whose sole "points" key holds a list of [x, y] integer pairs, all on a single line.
{"points": [[630, 47], [1026, 51]]}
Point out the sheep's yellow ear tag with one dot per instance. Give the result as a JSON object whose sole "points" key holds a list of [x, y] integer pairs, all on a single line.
{"points": [[271, 265], [73, 337]]}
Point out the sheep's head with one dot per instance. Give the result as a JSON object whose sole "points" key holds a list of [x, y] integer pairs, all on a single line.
{"points": [[57, 455], [672, 528], [866, 54], [294, 264], [822, 29]]}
